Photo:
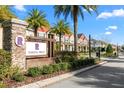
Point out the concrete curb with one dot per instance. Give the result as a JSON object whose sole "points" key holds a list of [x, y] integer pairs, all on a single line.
{"points": [[45, 82], [110, 59]]}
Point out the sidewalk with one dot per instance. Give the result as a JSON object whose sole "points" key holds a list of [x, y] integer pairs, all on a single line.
{"points": [[43, 83]]}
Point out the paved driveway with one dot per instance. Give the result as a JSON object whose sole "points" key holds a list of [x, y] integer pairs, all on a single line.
{"points": [[110, 75]]}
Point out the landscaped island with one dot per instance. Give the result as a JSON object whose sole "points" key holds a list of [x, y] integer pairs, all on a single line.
{"points": [[12, 76]]}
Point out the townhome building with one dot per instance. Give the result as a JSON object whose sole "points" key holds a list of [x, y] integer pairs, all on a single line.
{"points": [[67, 42], [42, 32], [82, 43]]}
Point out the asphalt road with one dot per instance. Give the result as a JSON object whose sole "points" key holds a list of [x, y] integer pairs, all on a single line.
{"points": [[110, 75]]}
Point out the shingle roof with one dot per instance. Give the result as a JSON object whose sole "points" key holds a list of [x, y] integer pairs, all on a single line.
{"points": [[43, 29], [79, 35], [83, 36]]}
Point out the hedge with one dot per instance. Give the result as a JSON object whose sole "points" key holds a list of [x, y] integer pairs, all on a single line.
{"points": [[63, 66]]}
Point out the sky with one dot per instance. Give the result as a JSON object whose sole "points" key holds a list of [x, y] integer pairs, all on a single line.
{"points": [[107, 25]]}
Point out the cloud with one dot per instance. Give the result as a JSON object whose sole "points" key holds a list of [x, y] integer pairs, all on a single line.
{"points": [[20, 7], [104, 15], [114, 13], [119, 12], [108, 33], [112, 27]]}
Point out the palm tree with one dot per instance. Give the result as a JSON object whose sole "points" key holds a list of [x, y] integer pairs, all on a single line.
{"points": [[6, 13], [61, 28], [74, 11], [37, 19]]}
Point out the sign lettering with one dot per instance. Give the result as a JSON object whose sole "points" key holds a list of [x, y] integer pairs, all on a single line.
{"points": [[19, 40]]}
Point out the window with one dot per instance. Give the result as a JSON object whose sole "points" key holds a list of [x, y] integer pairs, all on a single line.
{"points": [[42, 34]]}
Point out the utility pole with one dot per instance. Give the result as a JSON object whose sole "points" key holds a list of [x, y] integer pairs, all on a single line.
{"points": [[89, 46], [99, 50]]}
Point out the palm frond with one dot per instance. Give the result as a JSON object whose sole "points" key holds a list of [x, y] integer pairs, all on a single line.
{"points": [[37, 19]]}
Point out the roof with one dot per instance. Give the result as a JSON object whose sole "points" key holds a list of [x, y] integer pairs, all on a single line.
{"points": [[68, 35], [43, 29], [82, 36], [79, 35]]}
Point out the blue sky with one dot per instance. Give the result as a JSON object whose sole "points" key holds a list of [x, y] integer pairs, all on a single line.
{"points": [[108, 25]]}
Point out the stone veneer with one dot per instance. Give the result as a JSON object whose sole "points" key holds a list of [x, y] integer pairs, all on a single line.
{"points": [[1, 37], [11, 30]]}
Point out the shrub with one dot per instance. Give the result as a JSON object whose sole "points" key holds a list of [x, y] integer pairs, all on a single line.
{"points": [[64, 66], [4, 71], [74, 64], [81, 62], [70, 66], [47, 69], [92, 61], [5, 57], [2, 84], [109, 54], [109, 49], [65, 56], [14, 70], [56, 67], [89, 61], [18, 77], [7, 71], [58, 60], [35, 71]]}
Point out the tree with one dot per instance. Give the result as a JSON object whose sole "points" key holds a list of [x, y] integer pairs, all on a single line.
{"points": [[61, 28], [109, 49], [74, 11], [6, 13], [102, 49], [37, 19]]}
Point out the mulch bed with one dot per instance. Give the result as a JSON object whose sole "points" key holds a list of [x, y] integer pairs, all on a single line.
{"points": [[13, 84]]}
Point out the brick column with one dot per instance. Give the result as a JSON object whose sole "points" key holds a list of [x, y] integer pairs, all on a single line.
{"points": [[13, 29]]}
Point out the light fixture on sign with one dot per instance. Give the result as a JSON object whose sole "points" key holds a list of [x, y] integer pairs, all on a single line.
{"points": [[19, 40]]}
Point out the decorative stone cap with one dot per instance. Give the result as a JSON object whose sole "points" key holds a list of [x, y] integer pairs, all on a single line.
{"points": [[18, 21], [14, 21]]}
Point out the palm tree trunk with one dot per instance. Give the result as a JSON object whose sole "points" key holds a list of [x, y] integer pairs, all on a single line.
{"points": [[35, 32], [60, 42], [75, 19]]}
